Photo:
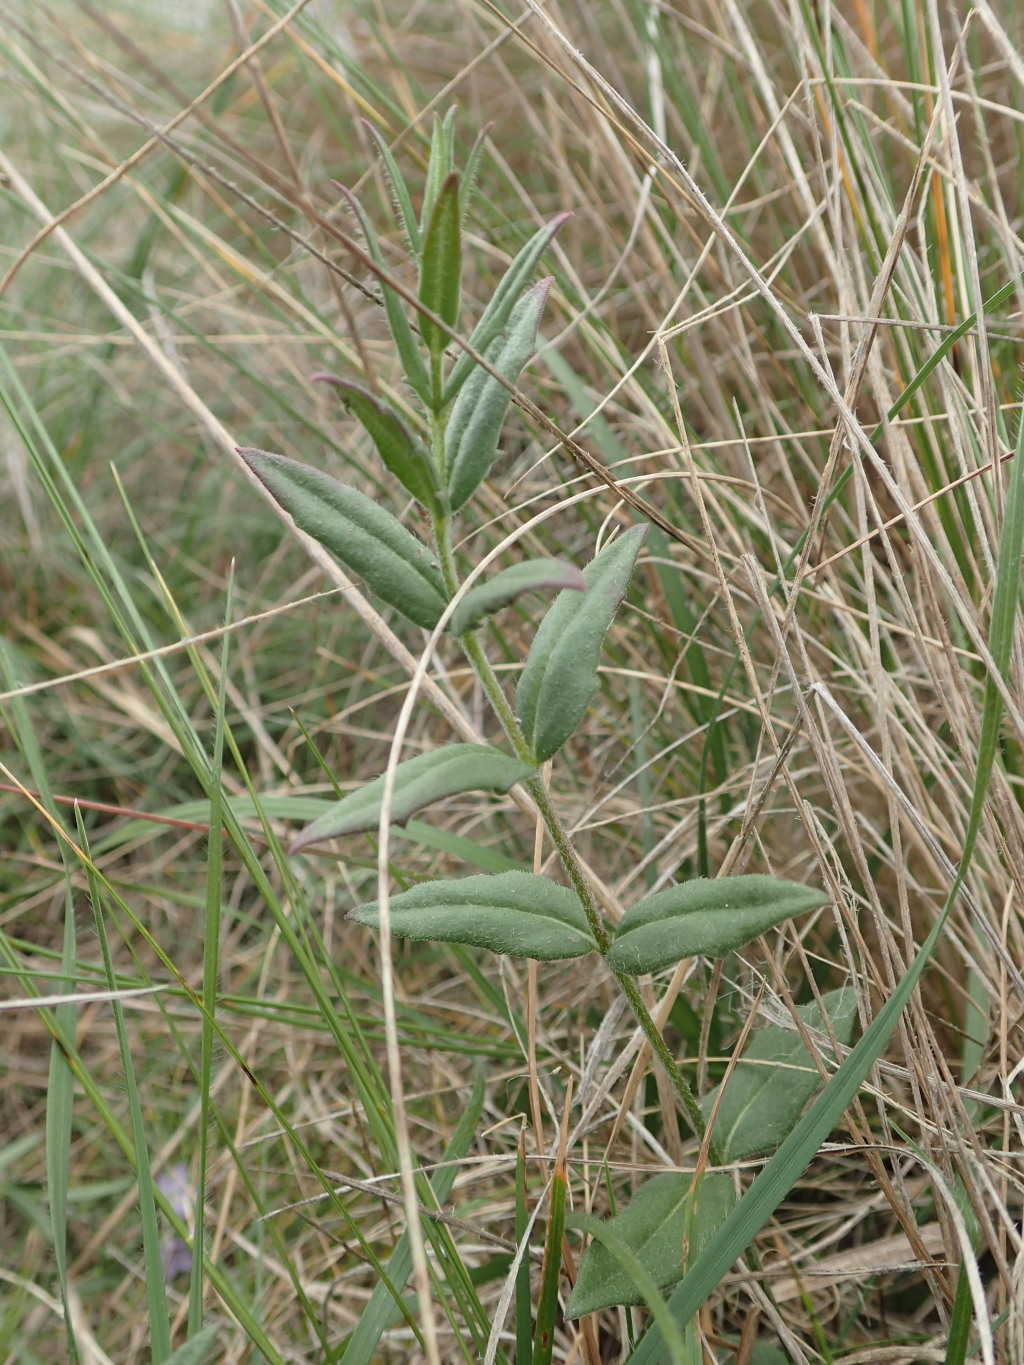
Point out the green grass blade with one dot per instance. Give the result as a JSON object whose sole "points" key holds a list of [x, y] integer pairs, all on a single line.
{"points": [[383, 1307], [156, 1292], [547, 1305], [960, 1322], [524, 1301], [211, 973], [60, 1089], [60, 1103]]}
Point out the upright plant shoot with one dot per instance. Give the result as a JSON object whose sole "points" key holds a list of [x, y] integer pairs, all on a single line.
{"points": [[441, 462]]}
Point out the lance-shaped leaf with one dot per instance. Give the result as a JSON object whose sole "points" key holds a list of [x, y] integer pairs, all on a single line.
{"points": [[441, 265], [517, 913], [560, 676], [704, 918], [419, 782], [495, 316], [664, 1213], [413, 367], [440, 163], [472, 167], [766, 1091], [403, 454], [471, 440], [364, 537], [198, 1349], [497, 592], [399, 190]]}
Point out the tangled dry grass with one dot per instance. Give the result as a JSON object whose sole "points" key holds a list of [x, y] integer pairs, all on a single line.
{"points": [[780, 213]]}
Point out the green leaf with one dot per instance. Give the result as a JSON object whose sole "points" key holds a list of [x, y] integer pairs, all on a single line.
{"points": [[704, 917], [419, 782], [547, 1306], [196, 1350], [765, 1353], [495, 316], [364, 537], [471, 440], [767, 1090], [517, 913], [403, 454], [472, 168], [560, 676], [677, 1344], [413, 368], [399, 190], [440, 163], [441, 265], [666, 1210], [497, 592]]}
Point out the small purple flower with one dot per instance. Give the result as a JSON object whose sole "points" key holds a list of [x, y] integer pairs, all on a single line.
{"points": [[174, 1186]]}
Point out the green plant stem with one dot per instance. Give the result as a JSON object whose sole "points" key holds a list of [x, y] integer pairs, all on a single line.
{"points": [[574, 870], [559, 835]]}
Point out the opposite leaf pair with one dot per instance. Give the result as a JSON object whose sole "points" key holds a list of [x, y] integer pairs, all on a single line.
{"points": [[526, 915], [399, 568], [560, 676]]}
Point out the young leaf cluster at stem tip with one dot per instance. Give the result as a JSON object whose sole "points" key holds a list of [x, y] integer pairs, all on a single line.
{"points": [[444, 460], [439, 457]]}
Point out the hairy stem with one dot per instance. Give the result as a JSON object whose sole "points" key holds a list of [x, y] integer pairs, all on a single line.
{"points": [[559, 835], [574, 871]]}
